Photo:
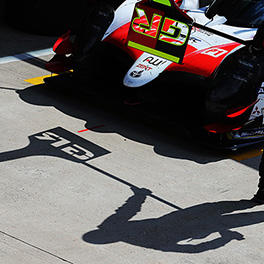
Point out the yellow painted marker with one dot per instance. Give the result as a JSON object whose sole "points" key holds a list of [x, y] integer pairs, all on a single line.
{"points": [[247, 155], [39, 80]]}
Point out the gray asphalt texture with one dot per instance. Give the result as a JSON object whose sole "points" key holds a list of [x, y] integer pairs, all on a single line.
{"points": [[120, 192]]}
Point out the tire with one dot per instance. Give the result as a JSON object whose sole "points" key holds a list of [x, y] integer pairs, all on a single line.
{"points": [[235, 84]]}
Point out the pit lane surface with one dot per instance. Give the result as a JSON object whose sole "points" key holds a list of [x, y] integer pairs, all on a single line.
{"points": [[72, 174]]}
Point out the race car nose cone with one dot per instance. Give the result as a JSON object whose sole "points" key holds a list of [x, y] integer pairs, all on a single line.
{"points": [[137, 78], [144, 70]]}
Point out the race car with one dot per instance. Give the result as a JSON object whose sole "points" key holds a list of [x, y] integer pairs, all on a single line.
{"points": [[178, 37]]}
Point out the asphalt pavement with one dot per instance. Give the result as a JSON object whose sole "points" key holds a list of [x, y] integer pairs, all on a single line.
{"points": [[82, 183]]}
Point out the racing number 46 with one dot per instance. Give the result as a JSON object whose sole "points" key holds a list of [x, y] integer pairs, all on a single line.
{"points": [[172, 31]]}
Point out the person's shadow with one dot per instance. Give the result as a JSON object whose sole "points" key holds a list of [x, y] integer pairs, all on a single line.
{"points": [[169, 232]]}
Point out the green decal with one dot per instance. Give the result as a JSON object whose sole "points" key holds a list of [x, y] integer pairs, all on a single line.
{"points": [[160, 29], [174, 32], [154, 51], [146, 28], [163, 2]]}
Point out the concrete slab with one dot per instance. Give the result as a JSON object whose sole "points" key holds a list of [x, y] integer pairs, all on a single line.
{"points": [[69, 197]]}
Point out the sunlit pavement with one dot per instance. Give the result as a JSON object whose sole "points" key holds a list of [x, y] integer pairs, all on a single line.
{"points": [[83, 184]]}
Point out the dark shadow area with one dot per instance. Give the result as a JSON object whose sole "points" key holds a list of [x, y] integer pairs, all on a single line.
{"points": [[252, 163], [57, 142], [60, 143], [28, 58], [167, 233], [185, 231], [38, 17], [15, 41], [9, 89], [99, 101], [167, 139]]}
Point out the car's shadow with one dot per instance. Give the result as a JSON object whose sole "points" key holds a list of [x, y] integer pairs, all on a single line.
{"points": [[195, 229], [166, 138], [105, 114]]}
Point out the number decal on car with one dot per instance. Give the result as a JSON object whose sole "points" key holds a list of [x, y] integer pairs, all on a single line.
{"points": [[160, 32], [141, 24], [174, 32]]}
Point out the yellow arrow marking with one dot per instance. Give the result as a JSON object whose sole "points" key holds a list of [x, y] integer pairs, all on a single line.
{"points": [[39, 80]]}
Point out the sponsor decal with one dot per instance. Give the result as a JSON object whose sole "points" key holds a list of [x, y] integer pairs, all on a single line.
{"points": [[248, 134], [136, 74], [154, 61], [195, 40], [259, 107], [145, 67], [256, 111], [214, 52], [202, 31], [261, 91]]}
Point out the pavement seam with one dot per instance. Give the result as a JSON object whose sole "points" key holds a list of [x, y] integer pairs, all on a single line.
{"points": [[36, 247]]}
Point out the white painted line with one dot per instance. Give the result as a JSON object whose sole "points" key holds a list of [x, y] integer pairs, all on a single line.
{"points": [[26, 56]]}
